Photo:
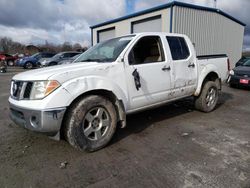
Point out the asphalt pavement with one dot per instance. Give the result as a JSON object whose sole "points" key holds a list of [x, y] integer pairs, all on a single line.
{"points": [[171, 146]]}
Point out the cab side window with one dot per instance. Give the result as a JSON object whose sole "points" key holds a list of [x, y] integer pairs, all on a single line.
{"points": [[147, 50], [178, 47]]}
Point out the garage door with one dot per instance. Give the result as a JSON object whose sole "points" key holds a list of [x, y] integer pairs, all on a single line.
{"points": [[152, 24], [105, 34]]}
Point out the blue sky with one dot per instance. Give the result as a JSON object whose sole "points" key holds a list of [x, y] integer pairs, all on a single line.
{"points": [[130, 4]]}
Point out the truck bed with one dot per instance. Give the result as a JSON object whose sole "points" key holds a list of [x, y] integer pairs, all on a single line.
{"points": [[219, 60]]}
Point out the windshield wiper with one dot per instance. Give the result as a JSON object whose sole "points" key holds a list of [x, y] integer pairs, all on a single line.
{"points": [[93, 60], [89, 60], [85, 60]]}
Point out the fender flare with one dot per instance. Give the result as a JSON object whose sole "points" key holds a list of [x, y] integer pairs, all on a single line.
{"points": [[79, 86], [208, 69], [91, 85]]}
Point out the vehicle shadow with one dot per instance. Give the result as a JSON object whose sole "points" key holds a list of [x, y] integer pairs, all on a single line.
{"points": [[138, 122], [224, 97], [246, 88]]}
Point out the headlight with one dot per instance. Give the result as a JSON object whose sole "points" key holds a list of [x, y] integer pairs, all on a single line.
{"points": [[42, 89], [43, 62], [231, 72]]}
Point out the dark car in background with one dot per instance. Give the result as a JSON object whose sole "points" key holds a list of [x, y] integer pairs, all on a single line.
{"points": [[240, 75], [10, 59], [68, 61], [57, 58], [31, 61]]}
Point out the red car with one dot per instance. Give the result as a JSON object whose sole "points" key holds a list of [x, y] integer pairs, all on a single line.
{"points": [[9, 59]]}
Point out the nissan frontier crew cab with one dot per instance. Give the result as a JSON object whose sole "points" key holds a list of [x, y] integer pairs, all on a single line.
{"points": [[85, 101]]}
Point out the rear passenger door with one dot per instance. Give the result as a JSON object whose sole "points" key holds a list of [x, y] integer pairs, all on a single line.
{"points": [[184, 67], [147, 59]]}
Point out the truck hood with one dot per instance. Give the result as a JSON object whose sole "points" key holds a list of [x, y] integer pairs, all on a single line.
{"points": [[61, 73]]}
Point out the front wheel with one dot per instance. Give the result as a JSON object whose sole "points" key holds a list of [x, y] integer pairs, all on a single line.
{"points": [[90, 123], [208, 97], [28, 65]]}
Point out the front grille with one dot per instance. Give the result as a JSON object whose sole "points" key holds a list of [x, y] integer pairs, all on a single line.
{"points": [[27, 91], [21, 89]]}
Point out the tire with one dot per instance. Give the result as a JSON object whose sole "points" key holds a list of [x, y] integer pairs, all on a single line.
{"points": [[28, 65], [83, 127], [52, 64], [208, 97], [10, 63]]}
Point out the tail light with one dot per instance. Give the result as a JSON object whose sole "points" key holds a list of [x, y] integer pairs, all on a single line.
{"points": [[228, 65]]}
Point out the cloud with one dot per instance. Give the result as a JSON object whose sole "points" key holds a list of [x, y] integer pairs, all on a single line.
{"points": [[34, 21], [246, 45], [55, 20]]}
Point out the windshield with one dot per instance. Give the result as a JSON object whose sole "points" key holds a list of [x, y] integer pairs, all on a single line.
{"points": [[76, 56], [57, 56], [247, 63], [243, 60], [106, 51], [35, 55]]}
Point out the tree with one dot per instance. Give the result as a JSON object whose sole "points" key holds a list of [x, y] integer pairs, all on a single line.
{"points": [[77, 47], [7, 45], [66, 46]]}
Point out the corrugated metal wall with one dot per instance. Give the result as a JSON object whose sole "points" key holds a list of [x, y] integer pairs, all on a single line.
{"points": [[211, 32]]}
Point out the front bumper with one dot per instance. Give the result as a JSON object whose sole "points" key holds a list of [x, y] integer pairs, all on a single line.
{"points": [[46, 121]]}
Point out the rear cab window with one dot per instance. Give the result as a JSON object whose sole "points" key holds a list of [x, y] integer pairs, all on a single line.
{"points": [[178, 48]]}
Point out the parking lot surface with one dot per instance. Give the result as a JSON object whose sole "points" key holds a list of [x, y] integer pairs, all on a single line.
{"points": [[172, 146]]}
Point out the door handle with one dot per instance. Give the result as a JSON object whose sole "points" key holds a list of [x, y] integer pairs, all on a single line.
{"points": [[191, 65], [166, 68]]}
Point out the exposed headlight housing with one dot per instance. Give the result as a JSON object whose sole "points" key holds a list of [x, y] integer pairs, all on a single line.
{"points": [[42, 89], [231, 72]]}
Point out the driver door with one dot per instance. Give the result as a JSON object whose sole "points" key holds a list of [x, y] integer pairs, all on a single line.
{"points": [[147, 60]]}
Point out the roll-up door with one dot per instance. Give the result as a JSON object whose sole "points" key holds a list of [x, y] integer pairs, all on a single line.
{"points": [[152, 24], [106, 34]]}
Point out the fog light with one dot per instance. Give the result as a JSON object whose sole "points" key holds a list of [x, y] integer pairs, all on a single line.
{"points": [[34, 121]]}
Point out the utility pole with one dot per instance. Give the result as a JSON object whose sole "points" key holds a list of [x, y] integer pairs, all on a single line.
{"points": [[215, 3]]}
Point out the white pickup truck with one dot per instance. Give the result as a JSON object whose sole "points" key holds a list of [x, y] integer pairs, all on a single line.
{"points": [[85, 101]]}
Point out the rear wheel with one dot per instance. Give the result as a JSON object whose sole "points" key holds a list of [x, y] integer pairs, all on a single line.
{"points": [[10, 63], [208, 97], [53, 63], [28, 65], [90, 123]]}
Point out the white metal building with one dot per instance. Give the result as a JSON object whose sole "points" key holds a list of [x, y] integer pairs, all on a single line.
{"points": [[211, 30]]}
